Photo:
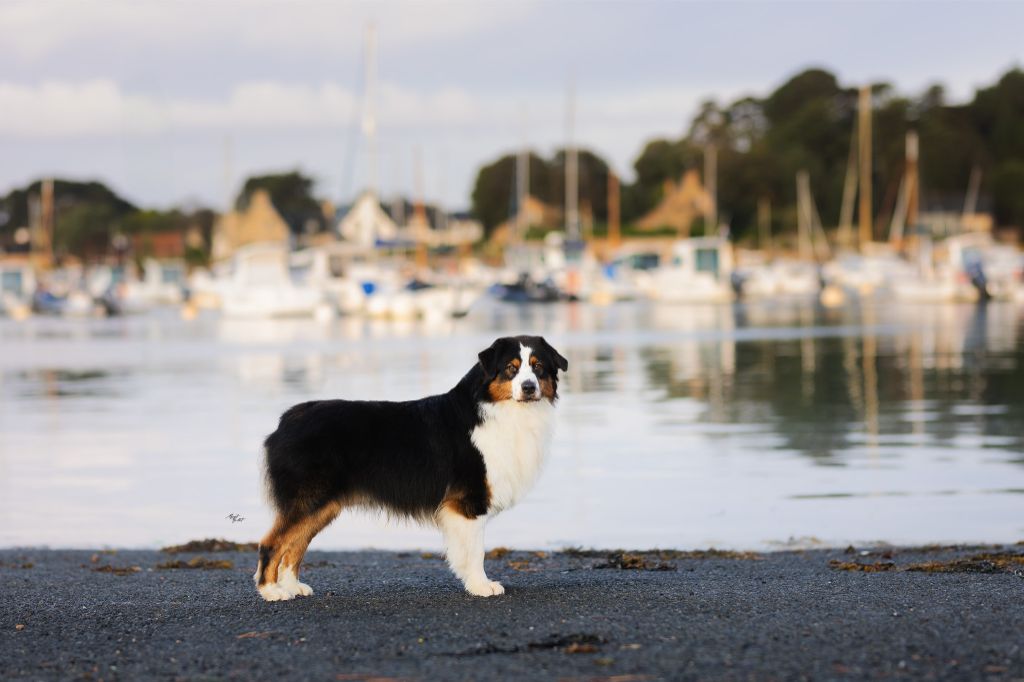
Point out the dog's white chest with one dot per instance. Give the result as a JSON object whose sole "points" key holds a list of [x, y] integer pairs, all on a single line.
{"points": [[514, 439]]}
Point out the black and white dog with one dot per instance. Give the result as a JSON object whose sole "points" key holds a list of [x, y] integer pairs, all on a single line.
{"points": [[454, 459]]}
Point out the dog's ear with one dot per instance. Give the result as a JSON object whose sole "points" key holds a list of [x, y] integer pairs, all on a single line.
{"points": [[490, 357], [560, 362]]}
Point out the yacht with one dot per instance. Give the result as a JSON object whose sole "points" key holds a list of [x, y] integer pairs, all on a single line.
{"points": [[699, 270], [260, 286]]}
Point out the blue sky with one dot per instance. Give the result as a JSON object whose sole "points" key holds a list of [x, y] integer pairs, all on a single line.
{"points": [[144, 95]]}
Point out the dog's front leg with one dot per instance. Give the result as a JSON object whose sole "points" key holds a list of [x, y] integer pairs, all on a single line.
{"points": [[464, 545]]}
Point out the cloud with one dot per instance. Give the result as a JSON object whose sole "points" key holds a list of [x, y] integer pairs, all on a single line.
{"points": [[60, 109], [34, 29], [102, 107]]}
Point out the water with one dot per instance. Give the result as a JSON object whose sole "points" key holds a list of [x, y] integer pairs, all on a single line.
{"points": [[744, 427]]}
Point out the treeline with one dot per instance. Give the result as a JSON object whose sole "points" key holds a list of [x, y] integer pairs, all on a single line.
{"points": [[807, 124], [91, 221], [494, 194]]}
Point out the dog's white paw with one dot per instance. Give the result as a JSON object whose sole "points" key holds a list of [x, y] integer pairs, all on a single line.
{"points": [[289, 582], [485, 588], [274, 592]]}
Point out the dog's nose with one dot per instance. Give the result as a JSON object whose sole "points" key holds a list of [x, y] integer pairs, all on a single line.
{"points": [[529, 388]]}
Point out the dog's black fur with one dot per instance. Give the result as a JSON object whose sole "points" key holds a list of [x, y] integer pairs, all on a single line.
{"points": [[407, 458]]}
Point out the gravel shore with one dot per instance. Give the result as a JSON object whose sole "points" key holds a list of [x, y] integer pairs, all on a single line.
{"points": [[922, 612]]}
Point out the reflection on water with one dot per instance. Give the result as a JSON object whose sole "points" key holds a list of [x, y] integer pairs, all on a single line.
{"points": [[743, 426]]}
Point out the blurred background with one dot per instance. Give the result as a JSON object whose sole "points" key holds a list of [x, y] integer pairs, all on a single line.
{"points": [[779, 244]]}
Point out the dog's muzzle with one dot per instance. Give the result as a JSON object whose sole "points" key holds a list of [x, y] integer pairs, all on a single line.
{"points": [[530, 392]]}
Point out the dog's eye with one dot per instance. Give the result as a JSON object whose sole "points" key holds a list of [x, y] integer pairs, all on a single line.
{"points": [[538, 369], [510, 370]]}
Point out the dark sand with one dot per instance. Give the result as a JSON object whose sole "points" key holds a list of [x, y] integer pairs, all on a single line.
{"points": [[375, 614]]}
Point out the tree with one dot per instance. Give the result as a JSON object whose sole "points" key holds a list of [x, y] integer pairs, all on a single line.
{"points": [[808, 122], [1008, 190], [495, 193], [85, 214]]}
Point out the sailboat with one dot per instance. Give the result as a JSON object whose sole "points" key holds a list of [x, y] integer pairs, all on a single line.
{"points": [[260, 286], [17, 284], [699, 270]]}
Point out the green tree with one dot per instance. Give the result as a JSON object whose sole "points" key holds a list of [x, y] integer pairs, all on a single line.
{"points": [[80, 207], [495, 194], [1008, 191]]}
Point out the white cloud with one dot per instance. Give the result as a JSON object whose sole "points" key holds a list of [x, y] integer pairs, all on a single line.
{"points": [[33, 29], [60, 109], [102, 107]]}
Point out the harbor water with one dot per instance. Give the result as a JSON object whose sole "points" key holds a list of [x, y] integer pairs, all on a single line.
{"points": [[753, 426]]}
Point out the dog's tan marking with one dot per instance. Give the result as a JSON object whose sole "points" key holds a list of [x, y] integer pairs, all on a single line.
{"points": [[500, 389], [295, 541], [457, 502], [547, 388], [288, 539]]}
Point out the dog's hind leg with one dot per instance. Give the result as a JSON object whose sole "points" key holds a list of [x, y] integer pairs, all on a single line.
{"points": [[269, 560], [294, 543], [464, 545]]}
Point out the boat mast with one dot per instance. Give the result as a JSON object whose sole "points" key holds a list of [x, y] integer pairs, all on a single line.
{"points": [[421, 229], [913, 190], [864, 157], [522, 187], [764, 223], [803, 214], [711, 186], [614, 213], [849, 191], [572, 215], [228, 202], [42, 226], [369, 112]]}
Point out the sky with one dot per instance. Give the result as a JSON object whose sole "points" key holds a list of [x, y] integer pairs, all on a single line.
{"points": [[176, 102]]}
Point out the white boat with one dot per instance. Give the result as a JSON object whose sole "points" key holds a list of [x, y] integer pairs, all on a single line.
{"points": [[627, 275], [781, 279], [260, 286], [934, 287], [994, 268], [961, 268], [426, 297], [699, 271], [17, 285], [162, 283], [864, 275], [335, 271]]}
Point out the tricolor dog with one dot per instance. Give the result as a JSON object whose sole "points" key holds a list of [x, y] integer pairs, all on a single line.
{"points": [[454, 460]]}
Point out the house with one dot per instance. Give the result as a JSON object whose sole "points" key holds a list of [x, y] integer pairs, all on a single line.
{"points": [[680, 204], [259, 222], [366, 223]]}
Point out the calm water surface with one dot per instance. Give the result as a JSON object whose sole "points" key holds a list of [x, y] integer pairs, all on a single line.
{"points": [[746, 426]]}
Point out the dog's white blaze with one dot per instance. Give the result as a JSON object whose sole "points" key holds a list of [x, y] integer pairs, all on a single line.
{"points": [[514, 439], [524, 374]]}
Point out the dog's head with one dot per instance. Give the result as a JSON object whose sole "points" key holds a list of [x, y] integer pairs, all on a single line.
{"points": [[522, 368]]}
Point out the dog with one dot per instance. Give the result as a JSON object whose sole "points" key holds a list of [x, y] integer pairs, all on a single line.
{"points": [[454, 460]]}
